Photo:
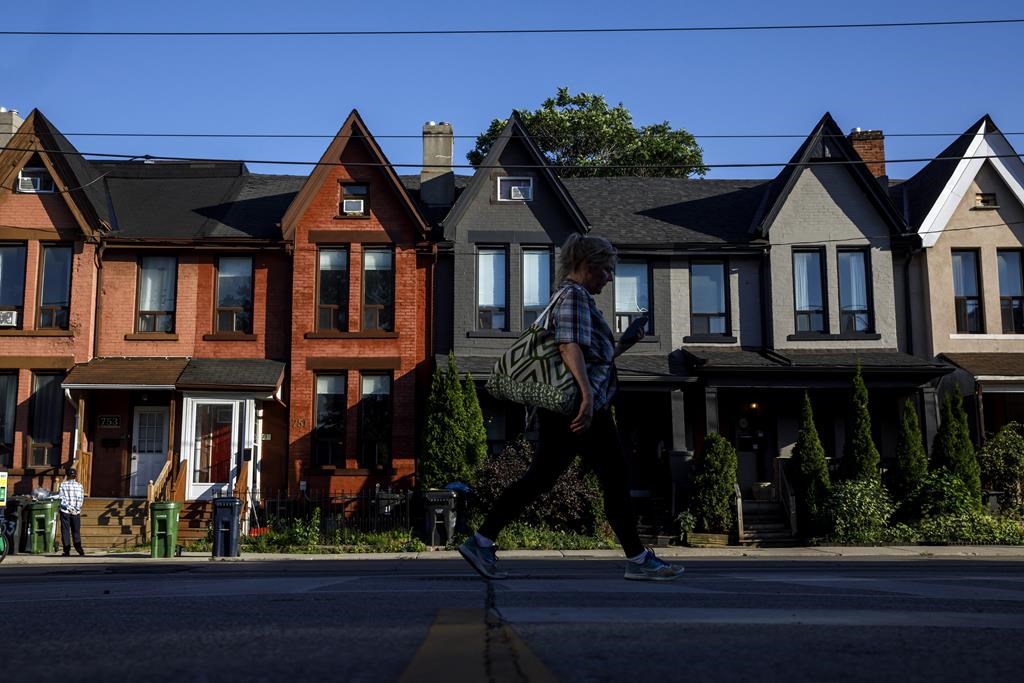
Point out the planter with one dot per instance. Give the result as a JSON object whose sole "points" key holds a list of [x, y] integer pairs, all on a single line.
{"points": [[702, 540]]}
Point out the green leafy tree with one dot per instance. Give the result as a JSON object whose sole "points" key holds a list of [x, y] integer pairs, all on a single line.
{"points": [[1001, 461], [444, 434], [860, 456], [911, 459], [952, 449], [476, 433], [582, 132], [810, 474], [714, 483]]}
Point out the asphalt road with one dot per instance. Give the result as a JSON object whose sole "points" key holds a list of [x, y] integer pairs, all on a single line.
{"points": [[565, 619]]}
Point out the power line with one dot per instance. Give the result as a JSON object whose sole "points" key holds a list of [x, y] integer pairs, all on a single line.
{"points": [[514, 31]]}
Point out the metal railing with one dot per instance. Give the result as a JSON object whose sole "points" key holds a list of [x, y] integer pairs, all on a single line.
{"points": [[786, 495], [739, 512]]}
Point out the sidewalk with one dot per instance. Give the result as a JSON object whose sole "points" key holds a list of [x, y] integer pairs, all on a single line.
{"points": [[966, 552]]}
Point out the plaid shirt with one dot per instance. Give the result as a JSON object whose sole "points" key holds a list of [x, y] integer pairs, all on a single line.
{"points": [[72, 495], [576, 318]]}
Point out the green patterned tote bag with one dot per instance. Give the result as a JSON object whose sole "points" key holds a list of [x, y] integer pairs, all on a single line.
{"points": [[532, 372]]}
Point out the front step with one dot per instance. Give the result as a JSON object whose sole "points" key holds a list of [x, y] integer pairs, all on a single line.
{"points": [[119, 523], [765, 526]]}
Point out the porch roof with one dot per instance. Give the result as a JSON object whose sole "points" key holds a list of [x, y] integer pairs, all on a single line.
{"points": [[990, 366], [126, 373], [811, 362], [232, 374]]}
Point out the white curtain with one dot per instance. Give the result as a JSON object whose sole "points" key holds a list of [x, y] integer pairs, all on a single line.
{"points": [[708, 285], [156, 286], [330, 385], [333, 259], [1009, 273], [807, 280], [853, 287], [377, 259], [965, 278], [376, 385], [491, 277], [536, 278], [631, 288]]}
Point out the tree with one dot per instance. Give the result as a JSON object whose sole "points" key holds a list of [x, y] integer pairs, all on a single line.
{"points": [[810, 474], [444, 434], [1001, 461], [714, 486], [952, 448], [581, 131], [476, 433], [911, 459], [860, 456]]}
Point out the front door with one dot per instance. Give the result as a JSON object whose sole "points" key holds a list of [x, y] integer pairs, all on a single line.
{"points": [[149, 447], [214, 444]]}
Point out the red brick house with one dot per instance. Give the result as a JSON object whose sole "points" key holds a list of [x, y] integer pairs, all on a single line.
{"points": [[361, 330]]}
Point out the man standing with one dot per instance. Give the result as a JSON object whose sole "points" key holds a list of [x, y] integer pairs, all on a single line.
{"points": [[71, 498]]}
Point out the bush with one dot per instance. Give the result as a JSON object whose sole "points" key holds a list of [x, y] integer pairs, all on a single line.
{"points": [[444, 434], [476, 432], [810, 474], [971, 527], [714, 481], [1001, 461], [574, 504], [939, 494], [911, 461], [952, 448], [858, 511], [520, 536], [860, 456]]}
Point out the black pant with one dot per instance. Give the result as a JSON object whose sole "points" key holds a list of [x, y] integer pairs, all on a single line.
{"points": [[600, 449], [70, 529]]}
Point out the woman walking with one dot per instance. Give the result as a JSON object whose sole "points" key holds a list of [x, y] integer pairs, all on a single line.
{"points": [[586, 344]]}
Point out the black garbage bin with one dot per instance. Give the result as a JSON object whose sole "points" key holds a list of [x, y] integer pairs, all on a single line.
{"points": [[225, 527], [439, 518], [17, 512]]}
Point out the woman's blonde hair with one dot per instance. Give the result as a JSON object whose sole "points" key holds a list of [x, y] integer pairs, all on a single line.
{"points": [[579, 249]]}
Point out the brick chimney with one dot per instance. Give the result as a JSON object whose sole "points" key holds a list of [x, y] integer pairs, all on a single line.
{"points": [[870, 145], [10, 122], [437, 180]]}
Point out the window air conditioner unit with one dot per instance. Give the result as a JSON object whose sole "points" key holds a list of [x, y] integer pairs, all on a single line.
{"points": [[352, 207], [8, 318], [28, 183], [519, 192]]}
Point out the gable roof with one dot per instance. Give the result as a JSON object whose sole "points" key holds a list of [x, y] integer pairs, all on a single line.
{"points": [[931, 195], [481, 178], [77, 181], [827, 141], [354, 127]]}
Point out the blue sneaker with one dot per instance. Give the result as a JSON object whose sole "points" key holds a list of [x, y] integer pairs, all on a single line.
{"points": [[652, 569], [482, 559]]}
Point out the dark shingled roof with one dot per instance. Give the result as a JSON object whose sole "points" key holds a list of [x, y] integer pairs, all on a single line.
{"points": [[638, 367], [235, 373], [152, 372], [728, 358], [668, 211], [809, 360], [982, 364], [850, 359]]}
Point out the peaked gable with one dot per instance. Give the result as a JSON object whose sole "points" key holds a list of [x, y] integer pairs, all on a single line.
{"points": [[826, 143], [77, 181], [351, 130], [480, 182], [933, 194]]}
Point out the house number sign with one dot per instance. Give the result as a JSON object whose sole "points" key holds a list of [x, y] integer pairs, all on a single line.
{"points": [[108, 421]]}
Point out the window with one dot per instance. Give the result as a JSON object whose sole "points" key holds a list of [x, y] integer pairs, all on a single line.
{"points": [[158, 281], [12, 284], [854, 297], [375, 421], [536, 283], [490, 286], [8, 406], [332, 291], [708, 308], [378, 290], [47, 420], [985, 200], [234, 294], [515, 189], [355, 199], [1011, 292], [808, 288], [55, 288], [212, 454], [966, 301], [632, 294], [35, 180], [329, 435]]}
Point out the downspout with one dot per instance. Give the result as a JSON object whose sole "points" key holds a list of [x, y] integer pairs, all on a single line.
{"points": [[765, 299], [98, 309]]}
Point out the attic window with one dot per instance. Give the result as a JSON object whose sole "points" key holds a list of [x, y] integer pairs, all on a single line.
{"points": [[515, 189], [985, 200], [35, 180], [355, 199]]}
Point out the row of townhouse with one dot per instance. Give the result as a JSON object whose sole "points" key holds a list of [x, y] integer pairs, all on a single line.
{"points": [[279, 332]]}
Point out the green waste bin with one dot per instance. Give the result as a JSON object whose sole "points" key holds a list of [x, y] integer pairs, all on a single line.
{"points": [[42, 525], [163, 525]]}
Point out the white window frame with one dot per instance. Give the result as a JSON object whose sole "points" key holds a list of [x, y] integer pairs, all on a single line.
{"points": [[526, 179], [44, 175]]}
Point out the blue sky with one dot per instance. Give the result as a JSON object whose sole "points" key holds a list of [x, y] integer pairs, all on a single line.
{"points": [[898, 80]]}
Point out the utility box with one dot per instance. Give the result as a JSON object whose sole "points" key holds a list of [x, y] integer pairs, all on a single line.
{"points": [[163, 525], [439, 517], [225, 527]]}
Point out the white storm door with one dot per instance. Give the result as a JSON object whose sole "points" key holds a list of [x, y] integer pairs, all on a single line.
{"points": [[214, 443], [149, 447]]}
